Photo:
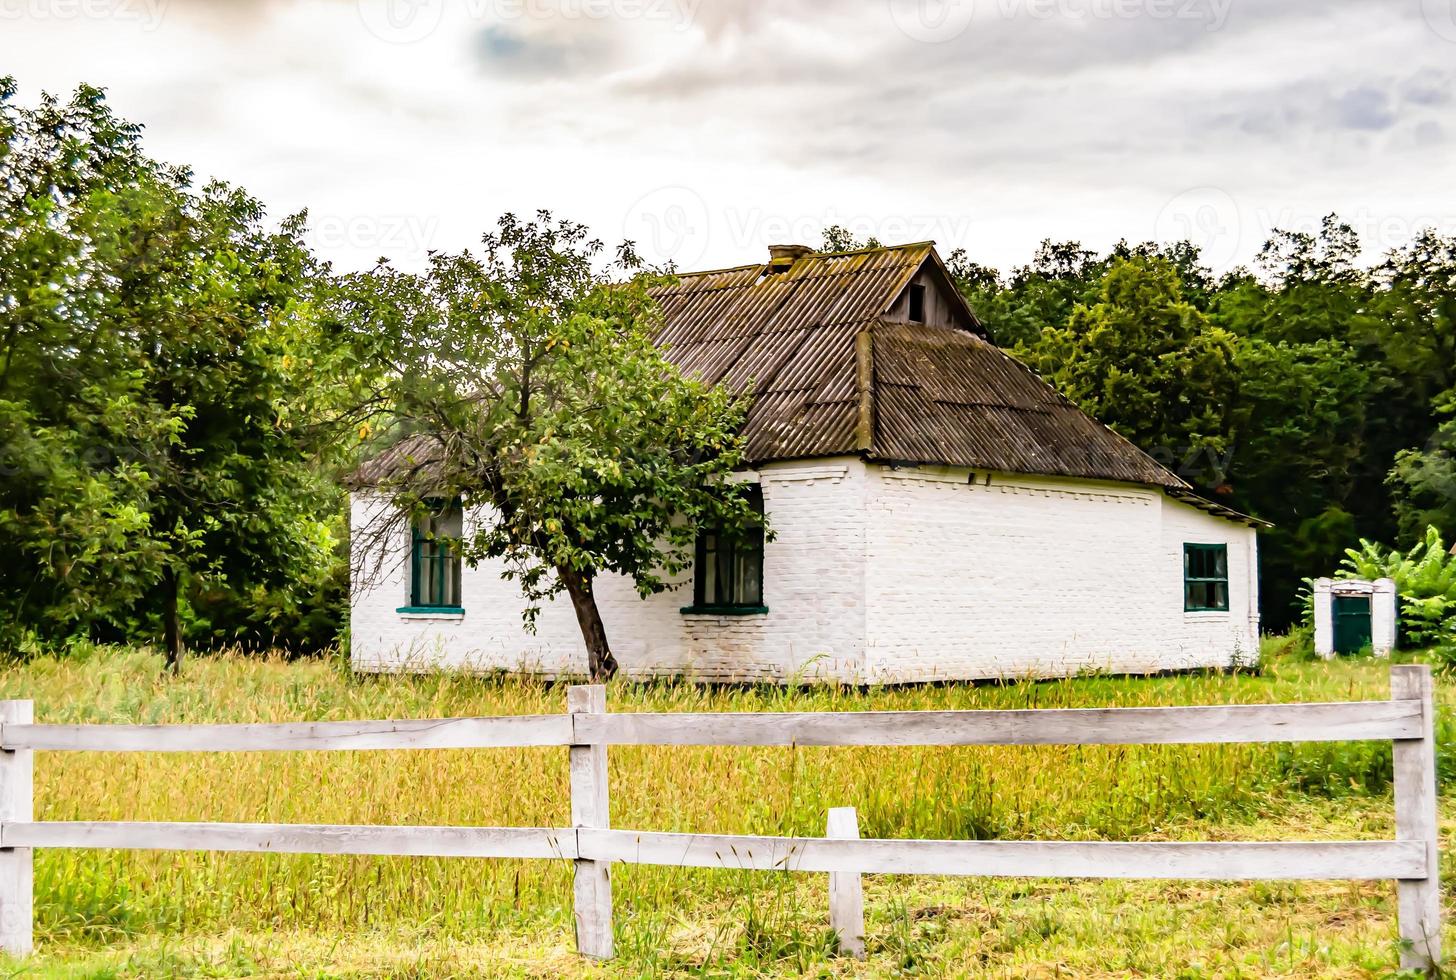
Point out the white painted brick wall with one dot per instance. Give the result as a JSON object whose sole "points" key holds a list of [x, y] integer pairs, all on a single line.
{"points": [[878, 575], [1041, 577], [813, 574]]}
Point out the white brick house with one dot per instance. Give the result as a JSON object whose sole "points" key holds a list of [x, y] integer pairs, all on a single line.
{"points": [[940, 514]]}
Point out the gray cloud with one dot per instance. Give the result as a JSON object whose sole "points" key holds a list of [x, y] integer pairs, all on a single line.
{"points": [[1429, 87], [1365, 108], [508, 49], [1066, 118], [1430, 134]]}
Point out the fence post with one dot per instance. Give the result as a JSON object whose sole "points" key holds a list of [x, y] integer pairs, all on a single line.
{"points": [[846, 890], [17, 769], [590, 807], [1419, 899]]}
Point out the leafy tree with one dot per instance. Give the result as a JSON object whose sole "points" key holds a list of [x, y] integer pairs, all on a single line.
{"points": [[1036, 296], [527, 385], [1416, 336], [155, 349], [1149, 364], [1424, 480], [73, 504], [1415, 316], [1300, 424], [220, 309], [838, 238]]}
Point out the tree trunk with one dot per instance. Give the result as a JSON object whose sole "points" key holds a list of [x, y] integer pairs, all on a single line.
{"points": [[171, 623], [600, 662]]}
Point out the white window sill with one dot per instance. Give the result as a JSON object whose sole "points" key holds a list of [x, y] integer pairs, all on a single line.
{"points": [[431, 616]]}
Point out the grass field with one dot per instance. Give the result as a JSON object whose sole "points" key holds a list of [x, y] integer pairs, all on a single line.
{"points": [[103, 914]]}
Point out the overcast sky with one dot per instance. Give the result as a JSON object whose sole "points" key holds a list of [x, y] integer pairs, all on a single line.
{"points": [[707, 129]]}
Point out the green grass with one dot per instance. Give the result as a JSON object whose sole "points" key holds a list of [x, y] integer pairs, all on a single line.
{"points": [[105, 914]]}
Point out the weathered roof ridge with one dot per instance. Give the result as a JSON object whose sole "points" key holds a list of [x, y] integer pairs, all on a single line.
{"points": [[940, 394], [719, 272], [927, 243], [812, 255]]}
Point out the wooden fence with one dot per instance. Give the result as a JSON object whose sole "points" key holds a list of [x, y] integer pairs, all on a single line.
{"points": [[1407, 719]]}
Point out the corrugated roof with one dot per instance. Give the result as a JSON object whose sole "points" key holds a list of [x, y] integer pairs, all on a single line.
{"points": [[938, 395], [946, 396], [413, 457], [788, 338]]}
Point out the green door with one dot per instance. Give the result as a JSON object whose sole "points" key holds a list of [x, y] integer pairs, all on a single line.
{"points": [[1352, 623]]}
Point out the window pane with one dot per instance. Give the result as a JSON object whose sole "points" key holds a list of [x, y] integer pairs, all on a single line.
{"points": [[722, 574], [730, 567], [436, 559], [1205, 573], [707, 571], [450, 524], [748, 582]]}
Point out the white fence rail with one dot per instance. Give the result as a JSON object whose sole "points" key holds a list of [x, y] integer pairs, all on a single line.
{"points": [[1407, 720]]}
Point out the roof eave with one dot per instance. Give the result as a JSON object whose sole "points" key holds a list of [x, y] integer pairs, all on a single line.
{"points": [[1193, 499]]}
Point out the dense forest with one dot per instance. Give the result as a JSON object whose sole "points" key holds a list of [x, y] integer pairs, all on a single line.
{"points": [[184, 385]]}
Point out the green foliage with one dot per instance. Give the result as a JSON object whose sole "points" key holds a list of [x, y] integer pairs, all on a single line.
{"points": [[1149, 364], [157, 349], [838, 238], [1423, 480], [1425, 577], [531, 384], [1037, 295]]}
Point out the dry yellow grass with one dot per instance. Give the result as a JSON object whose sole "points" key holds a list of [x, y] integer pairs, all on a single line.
{"points": [[110, 914]]}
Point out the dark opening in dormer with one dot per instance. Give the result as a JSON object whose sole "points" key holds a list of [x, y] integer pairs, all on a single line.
{"points": [[917, 303]]}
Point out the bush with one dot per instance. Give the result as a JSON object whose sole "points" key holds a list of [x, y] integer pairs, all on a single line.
{"points": [[1425, 577]]}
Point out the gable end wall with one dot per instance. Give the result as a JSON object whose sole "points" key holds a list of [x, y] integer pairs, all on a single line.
{"points": [[1041, 577]]}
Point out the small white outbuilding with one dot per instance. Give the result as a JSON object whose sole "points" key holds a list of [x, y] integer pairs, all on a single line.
{"points": [[1352, 614], [940, 513]]}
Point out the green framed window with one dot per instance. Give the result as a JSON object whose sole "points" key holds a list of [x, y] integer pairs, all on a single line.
{"points": [[1205, 578], [435, 558], [728, 574]]}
